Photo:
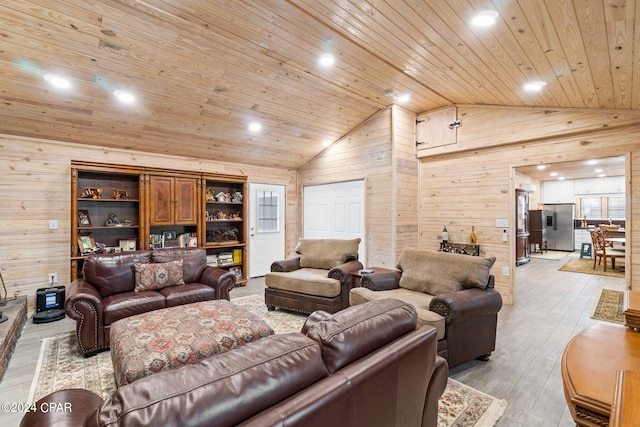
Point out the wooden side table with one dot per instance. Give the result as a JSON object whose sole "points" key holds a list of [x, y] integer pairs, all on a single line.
{"points": [[631, 309], [356, 276]]}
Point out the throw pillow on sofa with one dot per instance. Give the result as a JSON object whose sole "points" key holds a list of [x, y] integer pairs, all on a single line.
{"points": [[154, 276], [437, 273]]}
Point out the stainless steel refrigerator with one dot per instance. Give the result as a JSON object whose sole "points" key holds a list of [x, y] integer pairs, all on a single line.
{"points": [[559, 221]]}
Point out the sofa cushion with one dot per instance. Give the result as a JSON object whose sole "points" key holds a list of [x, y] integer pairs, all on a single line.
{"points": [[113, 273], [154, 276], [326, 253], [308, 281], [187, 294], [419, 300], [126, 304], [350, 334], [437, 273], [194, 261]]}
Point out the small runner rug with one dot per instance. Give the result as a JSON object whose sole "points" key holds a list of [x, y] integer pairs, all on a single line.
{"points": [[61, 366], [609, 306]]}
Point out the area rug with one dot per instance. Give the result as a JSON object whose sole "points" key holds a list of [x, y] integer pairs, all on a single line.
{"points": [[61, 366], [550, 255], [585, 265], [609, 306]]}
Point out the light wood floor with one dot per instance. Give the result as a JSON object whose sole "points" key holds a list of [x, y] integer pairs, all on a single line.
{"points": [[551, 307]]}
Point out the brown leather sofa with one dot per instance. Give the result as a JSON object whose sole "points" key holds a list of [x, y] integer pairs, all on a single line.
{"points": [[107, 292], [453, 293], [363, 366], [318, 278]]}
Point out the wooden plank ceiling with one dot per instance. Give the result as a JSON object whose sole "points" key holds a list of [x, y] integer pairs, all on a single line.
{"points": [[203, 69]]}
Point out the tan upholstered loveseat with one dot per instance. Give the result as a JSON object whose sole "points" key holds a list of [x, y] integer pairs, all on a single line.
{"points": [[452, 292], [318, 278]]}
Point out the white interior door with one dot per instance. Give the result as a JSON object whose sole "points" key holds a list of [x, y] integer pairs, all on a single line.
{"points": [[266, 227], [335, 211]]}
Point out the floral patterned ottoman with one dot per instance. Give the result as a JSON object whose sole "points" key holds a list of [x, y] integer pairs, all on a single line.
{"points": [[163, 339]]}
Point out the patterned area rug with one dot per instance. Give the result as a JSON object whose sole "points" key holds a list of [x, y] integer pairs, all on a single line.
{"points": [[585, 265], [551, 255], [609, 307], [61, 365]]}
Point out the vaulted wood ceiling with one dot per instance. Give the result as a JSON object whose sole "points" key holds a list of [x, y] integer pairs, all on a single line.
{"points": [[202, 69]]}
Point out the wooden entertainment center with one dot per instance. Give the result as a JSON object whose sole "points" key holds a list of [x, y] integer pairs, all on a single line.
{"points": [[121, 208]]}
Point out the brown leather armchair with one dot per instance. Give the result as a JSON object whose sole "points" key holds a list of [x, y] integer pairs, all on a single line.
{"points": [[318, 278], [459, 300], [107, 292]]}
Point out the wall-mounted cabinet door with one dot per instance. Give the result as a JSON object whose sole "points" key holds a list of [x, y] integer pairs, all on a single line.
{"points": [[173, 200]]}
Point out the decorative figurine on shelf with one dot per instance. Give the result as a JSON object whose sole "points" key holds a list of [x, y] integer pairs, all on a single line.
{"points": [[207, 217], [112, 221], [236, 197], [223, 197], [230, 234], [219, 215], [209, 196], [91, 193], [120, 194], [236, 216]]}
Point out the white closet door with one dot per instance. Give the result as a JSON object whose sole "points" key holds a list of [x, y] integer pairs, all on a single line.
{"points": [[335, 211]]}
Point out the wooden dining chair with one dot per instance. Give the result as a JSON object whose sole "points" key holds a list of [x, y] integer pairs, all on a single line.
{"points": [[602, 250]]}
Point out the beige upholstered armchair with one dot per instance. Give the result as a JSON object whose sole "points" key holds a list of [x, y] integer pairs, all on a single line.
{"points": [[318, 278]]}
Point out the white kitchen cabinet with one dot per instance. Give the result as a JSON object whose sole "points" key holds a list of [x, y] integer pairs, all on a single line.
{"points": [[580, 237], [557, 191], [588, 186], [613, 184]]}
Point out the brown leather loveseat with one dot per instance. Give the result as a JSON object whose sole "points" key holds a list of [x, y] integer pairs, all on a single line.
{"points": [[116, 286], [363, 366], [452, 292]]}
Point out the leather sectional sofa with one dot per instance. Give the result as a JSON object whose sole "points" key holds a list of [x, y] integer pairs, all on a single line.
{"points": [[452, 292], [116, 286], [364, 366]]}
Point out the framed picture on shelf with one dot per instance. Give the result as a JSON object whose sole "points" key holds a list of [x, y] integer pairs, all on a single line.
{"points": [[86, 243], [84, 220], [237, 271], [127, 245]]}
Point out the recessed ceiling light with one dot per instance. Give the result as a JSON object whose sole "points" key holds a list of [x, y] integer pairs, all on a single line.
{"points": [[57, 81], [326, 143], [327, 60], [124, 96], [598, 171], [554, 174], [601, 175], [541, 167], [592, 162], [405, 97], [561, 178], [534, 86], [486, 18], [255, 127]]}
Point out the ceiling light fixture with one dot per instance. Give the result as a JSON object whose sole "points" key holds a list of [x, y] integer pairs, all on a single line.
{"points": [[484, 19], [541, 167], [327, 60], [554, 174], [255, 127], [534, 86], [57, 81], [404, 98], [124, 96]]}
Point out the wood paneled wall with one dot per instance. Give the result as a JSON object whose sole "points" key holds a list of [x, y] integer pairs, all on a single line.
{"points": [[476, 186], [35, 186], [381, 152]]}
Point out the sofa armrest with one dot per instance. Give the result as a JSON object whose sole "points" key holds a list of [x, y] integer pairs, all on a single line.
{"points": [[466, 304], [220, 280], [286, 265], [381, 281], [82, 291], [343, 271], [69, 407]]}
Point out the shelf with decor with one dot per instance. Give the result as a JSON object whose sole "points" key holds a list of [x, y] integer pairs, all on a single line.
{"points": [[106, 212], [224, 225]]}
